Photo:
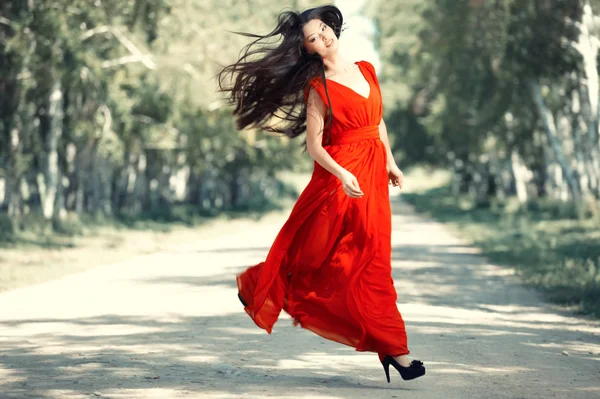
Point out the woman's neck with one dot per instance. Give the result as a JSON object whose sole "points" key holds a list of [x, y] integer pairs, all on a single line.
{"points": [[335, 65]]}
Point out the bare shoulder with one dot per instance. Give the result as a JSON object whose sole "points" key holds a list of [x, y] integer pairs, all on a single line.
{"points": [[314, 102]]}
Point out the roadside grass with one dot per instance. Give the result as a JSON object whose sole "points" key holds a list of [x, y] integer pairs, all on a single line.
{"points": [[551, 245]]}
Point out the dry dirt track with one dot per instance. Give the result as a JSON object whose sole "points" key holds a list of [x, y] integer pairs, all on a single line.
{"points": [[169, 325]]}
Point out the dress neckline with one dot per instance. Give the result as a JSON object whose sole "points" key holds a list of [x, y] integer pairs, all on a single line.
{"points": [[352, 90]]}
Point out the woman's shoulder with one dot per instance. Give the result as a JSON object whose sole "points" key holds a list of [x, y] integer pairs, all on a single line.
{"points": [[313, 83]]}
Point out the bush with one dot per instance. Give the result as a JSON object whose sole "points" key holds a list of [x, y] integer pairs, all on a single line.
{"points": [[7, 229]]}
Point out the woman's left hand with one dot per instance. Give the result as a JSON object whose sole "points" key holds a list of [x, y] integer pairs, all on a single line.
{"points": [[395, 176]]}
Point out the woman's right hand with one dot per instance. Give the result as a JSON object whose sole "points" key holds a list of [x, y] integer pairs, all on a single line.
{"points": [[350, 184]]}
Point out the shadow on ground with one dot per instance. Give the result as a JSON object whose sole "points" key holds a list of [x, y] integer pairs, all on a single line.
{"points": [[477, 331]]}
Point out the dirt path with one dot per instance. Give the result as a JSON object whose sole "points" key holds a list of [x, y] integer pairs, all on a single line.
{"points": [[169, 325]]}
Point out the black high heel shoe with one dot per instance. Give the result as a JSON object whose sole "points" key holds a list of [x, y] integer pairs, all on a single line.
{"points": [[242, 300], [415, 370]]}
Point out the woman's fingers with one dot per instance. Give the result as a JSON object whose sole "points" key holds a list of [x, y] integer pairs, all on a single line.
{"points": [[353, 191], [396, 181], [358, 191], [352, 188], [357, 186]]}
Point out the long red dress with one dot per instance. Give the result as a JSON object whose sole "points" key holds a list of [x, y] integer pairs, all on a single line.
{"points": [[330, 265]]}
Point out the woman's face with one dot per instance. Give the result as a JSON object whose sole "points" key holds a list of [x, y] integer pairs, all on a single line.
{"points": [[319, 38]]}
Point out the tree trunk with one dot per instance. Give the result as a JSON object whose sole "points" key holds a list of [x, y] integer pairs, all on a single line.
{"points": [[105, 173], [181, 177], [587, 45], [521, 175], [140, 191], [51, 130], [126, 182], [552, 136], [12, 195]]}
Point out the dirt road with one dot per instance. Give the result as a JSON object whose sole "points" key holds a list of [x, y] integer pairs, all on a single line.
{"points": [[169, 325]]}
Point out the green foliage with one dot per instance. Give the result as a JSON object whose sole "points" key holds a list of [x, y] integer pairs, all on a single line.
{"points": [[538, 34], [460, 75], [7, 228], [139, 113]]}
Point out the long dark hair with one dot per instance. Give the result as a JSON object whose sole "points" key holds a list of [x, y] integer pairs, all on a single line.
{"points": [[269, 81]]}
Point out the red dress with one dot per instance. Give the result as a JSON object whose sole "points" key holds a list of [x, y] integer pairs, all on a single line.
{"points": [[330, 265]]}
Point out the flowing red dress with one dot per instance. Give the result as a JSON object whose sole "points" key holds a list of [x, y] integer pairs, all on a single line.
{"points": [[330, 265]]}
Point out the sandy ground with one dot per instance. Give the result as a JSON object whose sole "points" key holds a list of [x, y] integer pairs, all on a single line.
{"points": [[169, 325]]}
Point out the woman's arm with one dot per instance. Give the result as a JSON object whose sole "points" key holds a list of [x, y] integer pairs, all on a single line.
{"points": [[395, 175], [315, 123], [384, 137]]}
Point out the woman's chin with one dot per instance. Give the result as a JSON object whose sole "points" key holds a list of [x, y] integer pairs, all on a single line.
{"points": [[332, 50]]}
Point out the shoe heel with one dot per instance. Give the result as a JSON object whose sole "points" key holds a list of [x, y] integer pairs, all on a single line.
{"points": [[242, 300], [386, 368]]}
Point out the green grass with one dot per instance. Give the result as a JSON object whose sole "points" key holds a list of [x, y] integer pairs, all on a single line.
{"points": [[31, 230], [552, 246]]}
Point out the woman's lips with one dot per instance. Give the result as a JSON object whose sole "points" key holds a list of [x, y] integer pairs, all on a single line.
{"points": [[330, 43]]}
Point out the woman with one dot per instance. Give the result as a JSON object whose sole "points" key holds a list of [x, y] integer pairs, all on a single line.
{"points": [[330, 265]]}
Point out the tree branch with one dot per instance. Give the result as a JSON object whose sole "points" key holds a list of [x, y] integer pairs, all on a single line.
{"points": [[100, 29], [128, 59], [6, 21], [144, 59], [136, 54]]}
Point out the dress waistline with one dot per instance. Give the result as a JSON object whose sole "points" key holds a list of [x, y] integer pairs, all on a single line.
{"points": [[354, 135]]}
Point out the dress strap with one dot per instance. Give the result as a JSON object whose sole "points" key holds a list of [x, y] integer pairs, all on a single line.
{"points": [[370, 70]]}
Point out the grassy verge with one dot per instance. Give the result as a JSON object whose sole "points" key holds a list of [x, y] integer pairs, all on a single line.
{"points": [[543, 241]]}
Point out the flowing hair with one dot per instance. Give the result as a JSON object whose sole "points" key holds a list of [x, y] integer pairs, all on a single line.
{"points": [[269, 80]]}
